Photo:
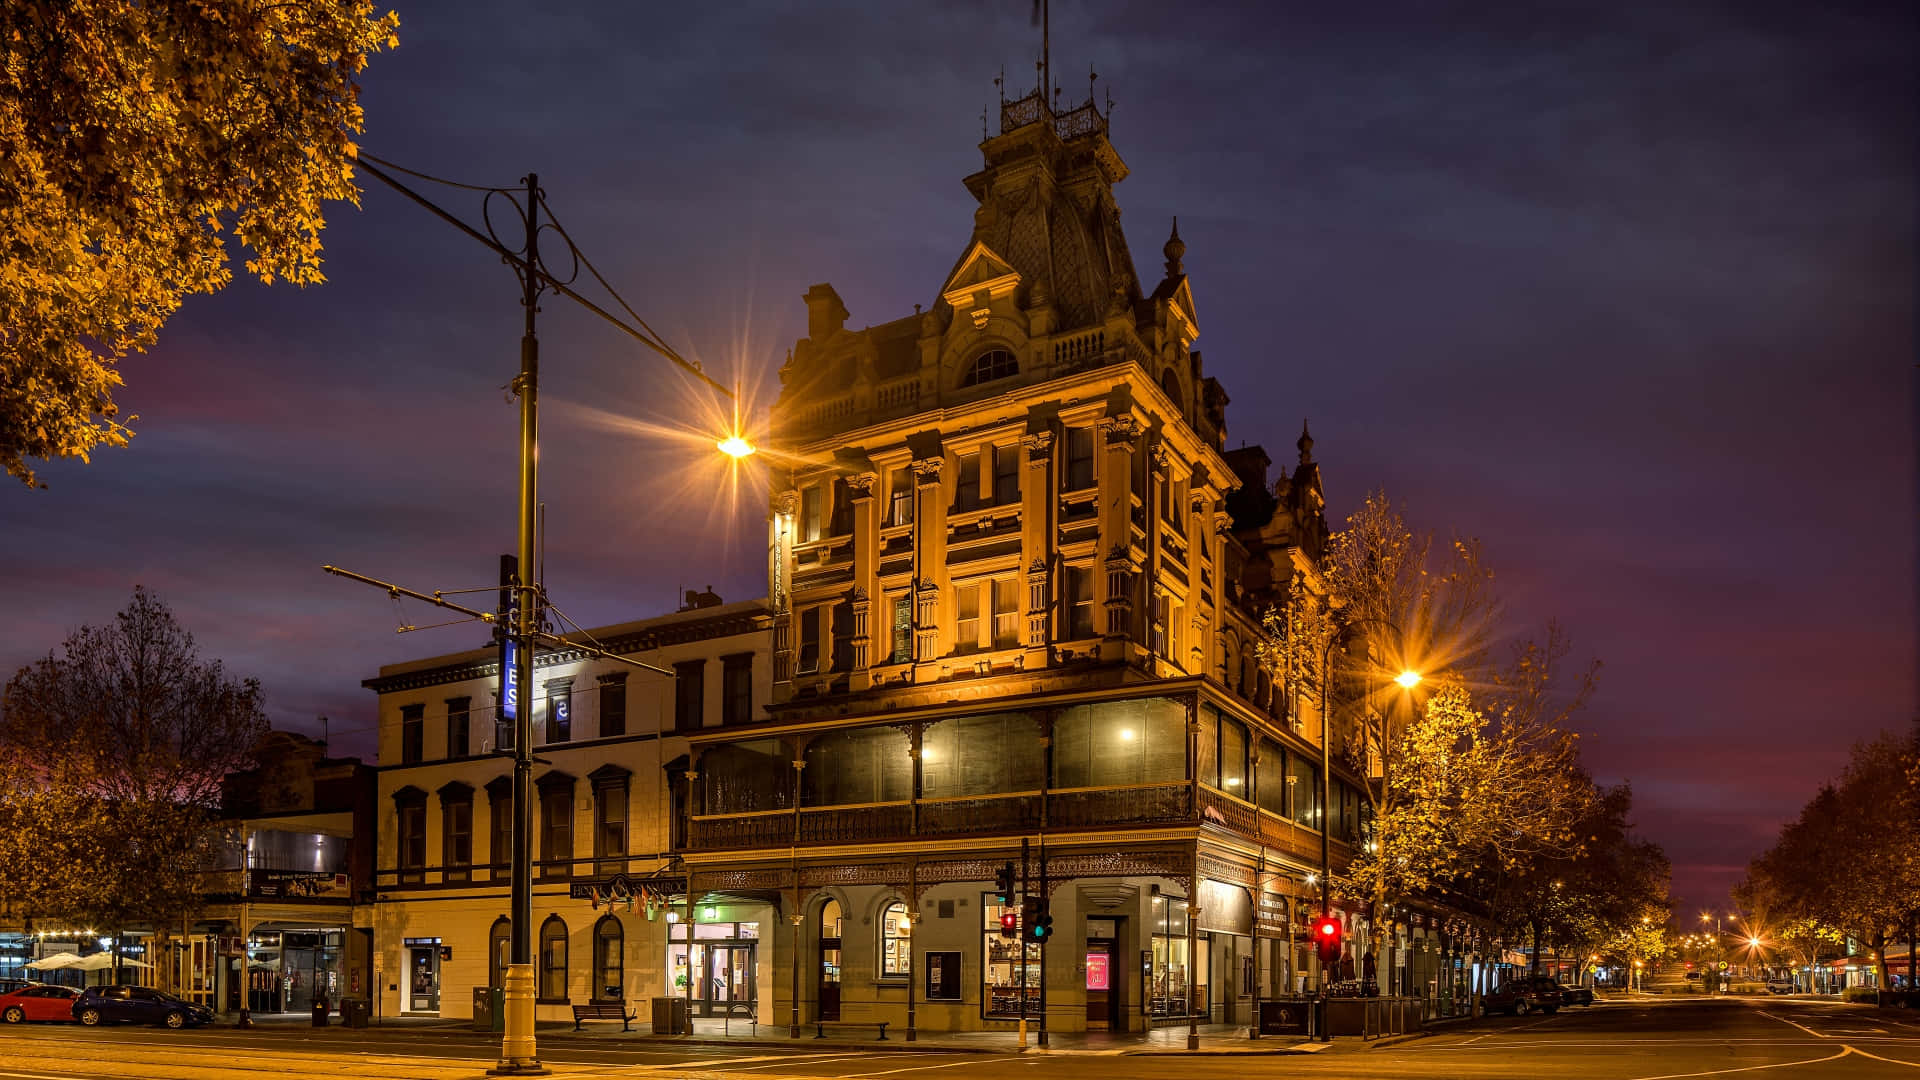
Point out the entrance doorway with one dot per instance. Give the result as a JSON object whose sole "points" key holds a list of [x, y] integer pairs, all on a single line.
{"points": [[730, 982], [827, 990], [423, 978], [1103, 985]]}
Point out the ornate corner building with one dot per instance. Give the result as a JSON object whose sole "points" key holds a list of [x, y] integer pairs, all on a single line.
{"points": [[1016, 587]]}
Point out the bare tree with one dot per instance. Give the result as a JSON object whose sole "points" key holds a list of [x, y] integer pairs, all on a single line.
{"points": [[116, 745]]}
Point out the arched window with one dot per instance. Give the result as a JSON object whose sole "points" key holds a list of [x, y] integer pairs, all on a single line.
{"points": [[1170, 383], [896, 941], [989, 366], [609, 969], [827, 993], [499, 951], [553, 960]]}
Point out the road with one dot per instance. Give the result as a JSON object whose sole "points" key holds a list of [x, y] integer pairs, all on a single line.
{"points": [[1660, 1040]]}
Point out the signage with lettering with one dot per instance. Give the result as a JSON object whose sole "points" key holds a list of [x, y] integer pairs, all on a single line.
{"points": [[1271, 915], [1097, 971], [297, 885], [509, 679]]}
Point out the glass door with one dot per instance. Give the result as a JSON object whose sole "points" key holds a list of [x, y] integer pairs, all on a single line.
{"points": [[728, 987], [423, 979]]}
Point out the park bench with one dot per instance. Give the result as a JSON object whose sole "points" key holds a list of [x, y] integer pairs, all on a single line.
{"points": [[820, 1026], [603, 1010]]}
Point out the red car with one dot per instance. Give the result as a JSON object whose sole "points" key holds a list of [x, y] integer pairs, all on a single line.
{"points": [[38, 1003]]}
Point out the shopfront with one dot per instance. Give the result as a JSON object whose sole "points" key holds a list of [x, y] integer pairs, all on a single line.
{"points": [[1170, 964], [1010, 973], [718, 962]]}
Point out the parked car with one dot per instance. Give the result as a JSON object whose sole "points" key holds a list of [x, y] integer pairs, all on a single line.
{"points": [[1522, 995], [1779, 984], [9, 985], [1576, 995], [36, 1002], [137, 1005]]}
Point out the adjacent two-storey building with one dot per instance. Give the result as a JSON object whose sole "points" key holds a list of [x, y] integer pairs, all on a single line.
{"points": [[610, 795]]}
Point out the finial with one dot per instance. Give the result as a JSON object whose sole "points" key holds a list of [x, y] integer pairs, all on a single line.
{"points": [[1174, 250], [1092, 78], [1305, 444]]}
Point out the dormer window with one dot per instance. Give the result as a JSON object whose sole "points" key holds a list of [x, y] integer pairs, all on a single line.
{"points": [[989, 366]]}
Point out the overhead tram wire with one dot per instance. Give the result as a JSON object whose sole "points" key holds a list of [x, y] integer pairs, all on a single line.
{"points": [[376, 166], [554, 220]]}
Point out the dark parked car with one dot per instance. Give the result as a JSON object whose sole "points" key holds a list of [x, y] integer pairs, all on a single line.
{"points": [[137, 1005], [1522, 995], [1576, 995], [34, 1002]]}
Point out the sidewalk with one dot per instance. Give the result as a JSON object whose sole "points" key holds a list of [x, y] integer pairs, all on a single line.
{"points": [[1214, 1039]]}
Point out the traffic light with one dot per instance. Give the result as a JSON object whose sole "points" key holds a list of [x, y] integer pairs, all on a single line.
{"points": [[1003, 886], [1326, 938], [1009, 924], [1038, 920]]}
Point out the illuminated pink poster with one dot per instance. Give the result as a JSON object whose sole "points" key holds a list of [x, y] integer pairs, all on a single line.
{"points": [[1096, 971]]}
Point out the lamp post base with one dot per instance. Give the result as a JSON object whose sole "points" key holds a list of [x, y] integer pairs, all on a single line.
{"points": [[518, 1056]]}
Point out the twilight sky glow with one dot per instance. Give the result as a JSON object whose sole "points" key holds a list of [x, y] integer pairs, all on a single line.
{"points": [[1627, 293]]}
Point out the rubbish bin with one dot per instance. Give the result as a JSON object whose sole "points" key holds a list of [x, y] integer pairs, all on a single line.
{"points": [[353, 1012], [319, 1012], [489, 1009], [669, 1016]]}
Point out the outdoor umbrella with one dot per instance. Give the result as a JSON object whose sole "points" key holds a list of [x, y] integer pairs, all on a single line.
{"points": [[103, 961], [56, 961]]}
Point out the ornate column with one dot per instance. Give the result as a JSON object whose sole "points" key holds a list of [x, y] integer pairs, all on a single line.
{"points": [[779, 575], [866, 568], [1037, 537], [930, 563], [1121, 437], [1159, 609]]}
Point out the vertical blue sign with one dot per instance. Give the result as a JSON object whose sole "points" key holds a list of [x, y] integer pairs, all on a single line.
{"points": [[509, 680]]}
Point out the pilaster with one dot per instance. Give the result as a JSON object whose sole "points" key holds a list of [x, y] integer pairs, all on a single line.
{"points": [[866, 569], [930, 579], [1037, 537]]}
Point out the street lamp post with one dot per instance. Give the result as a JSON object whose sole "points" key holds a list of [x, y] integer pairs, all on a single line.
{"points": [[1407, 679]]}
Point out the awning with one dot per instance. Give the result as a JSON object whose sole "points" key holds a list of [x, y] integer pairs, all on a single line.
{"points": [[56, 962]]}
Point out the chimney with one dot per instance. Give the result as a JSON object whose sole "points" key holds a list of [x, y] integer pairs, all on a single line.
{"points": [[825, 313]]}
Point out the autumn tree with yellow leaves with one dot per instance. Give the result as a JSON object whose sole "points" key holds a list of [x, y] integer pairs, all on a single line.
{"points": [[139, 144]]}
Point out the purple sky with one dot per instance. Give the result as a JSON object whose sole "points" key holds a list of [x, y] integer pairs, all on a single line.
{"points": [[1628, 294]]}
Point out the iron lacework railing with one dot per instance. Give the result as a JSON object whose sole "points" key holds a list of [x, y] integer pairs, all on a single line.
{"points": [[1033, 109]]}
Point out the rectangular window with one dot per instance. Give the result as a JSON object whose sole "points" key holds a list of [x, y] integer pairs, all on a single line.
{"points": [[1079, 599], [809, 640], [1158, 641], [560, 710], [736, 689], [1006, 612], [413, 842], [966, 626], [902, 628], [813, 516], [610, 829], [1078, 474], [456, 836], [500, 808], [900, 497], [458, 711], [1010, 969], [689, 695], [840, 519], [613, 705], [556, 832], [843, 636], [413, 734], [1006, 475], [966, 483]]}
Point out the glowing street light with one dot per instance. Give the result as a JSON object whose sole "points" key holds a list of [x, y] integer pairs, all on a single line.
{"points": [[735, 447], [1408, 679]]}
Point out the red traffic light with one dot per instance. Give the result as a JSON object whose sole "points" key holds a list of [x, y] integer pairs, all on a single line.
{"points": [[1330, 928], [1009, 921]]}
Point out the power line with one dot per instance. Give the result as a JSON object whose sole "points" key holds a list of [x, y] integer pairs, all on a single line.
{"points": [[532, 268]]}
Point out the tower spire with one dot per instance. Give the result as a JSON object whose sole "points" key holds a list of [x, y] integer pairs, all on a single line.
{"points": [[1174, 249], [1305, 444]]}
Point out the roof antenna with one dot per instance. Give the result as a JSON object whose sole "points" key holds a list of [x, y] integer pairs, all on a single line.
{"points": [[1042, 16]]}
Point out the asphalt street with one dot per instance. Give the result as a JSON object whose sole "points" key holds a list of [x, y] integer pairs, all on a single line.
{"points": [[1657, 1040]]}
